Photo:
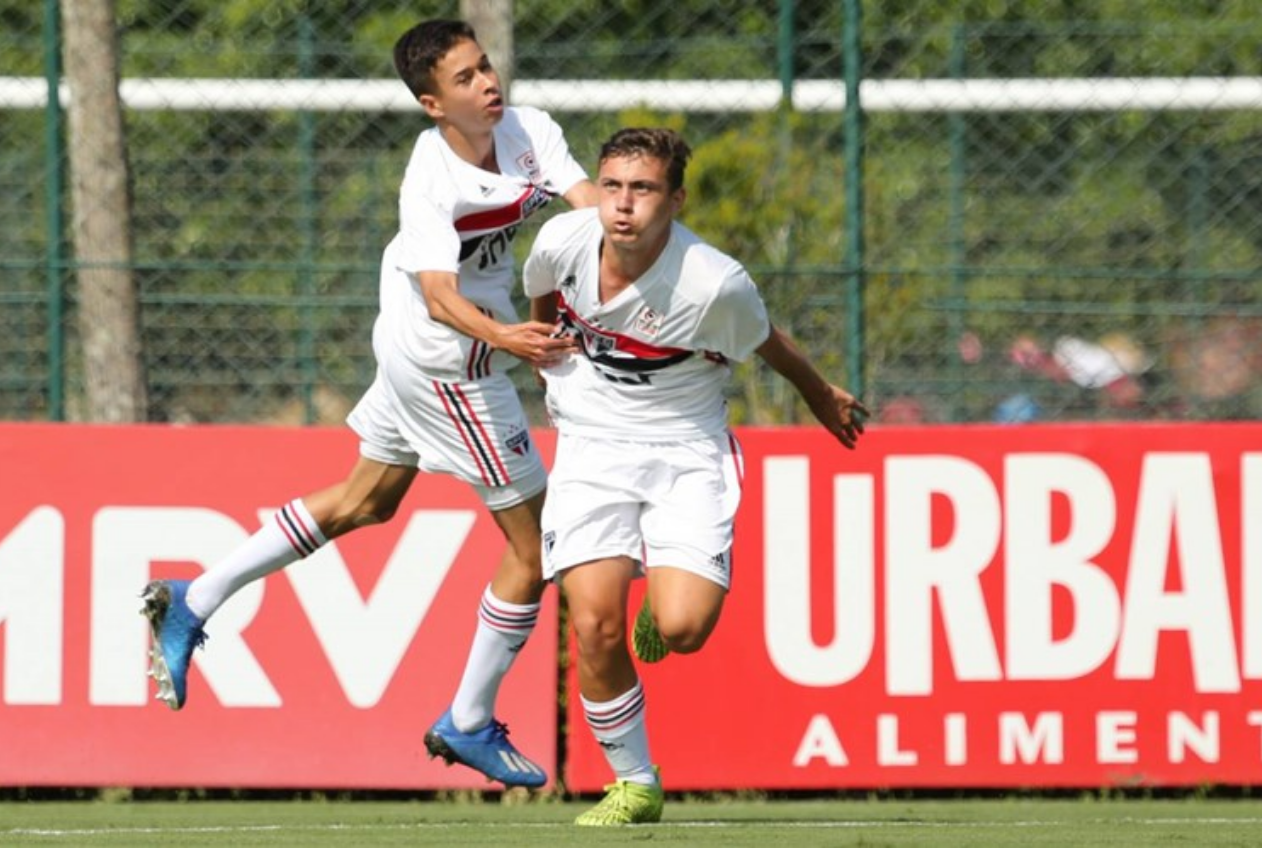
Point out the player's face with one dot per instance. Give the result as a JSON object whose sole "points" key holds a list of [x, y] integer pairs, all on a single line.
{"points": [[467, 90], [637, 204]]}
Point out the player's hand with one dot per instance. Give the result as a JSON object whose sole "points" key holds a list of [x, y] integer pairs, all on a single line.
{"points": [[533, 343], [841, 414]]}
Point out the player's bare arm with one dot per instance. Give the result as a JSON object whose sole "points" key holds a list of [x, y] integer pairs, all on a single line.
{"points": [[582, 194], [836, 409], [543, 309], [530, 342]]}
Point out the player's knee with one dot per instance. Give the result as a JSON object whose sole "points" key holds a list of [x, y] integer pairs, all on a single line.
{"points": [[685, 641], [530, 560], [684, 635], [597, 632]]}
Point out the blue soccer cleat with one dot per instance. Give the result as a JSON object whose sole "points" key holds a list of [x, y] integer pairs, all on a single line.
{"points": [[487, 750], [176, 632]]}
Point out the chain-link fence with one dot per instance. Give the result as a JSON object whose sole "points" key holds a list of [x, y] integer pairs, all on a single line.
{"points": [[1060, 214]]}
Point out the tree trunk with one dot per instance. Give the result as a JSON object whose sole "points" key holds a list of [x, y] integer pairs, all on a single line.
{"points": [[492, 20], [109, 311]]}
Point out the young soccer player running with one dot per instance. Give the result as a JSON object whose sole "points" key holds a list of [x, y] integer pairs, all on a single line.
{"points": [[446, 334], [647, 475]]}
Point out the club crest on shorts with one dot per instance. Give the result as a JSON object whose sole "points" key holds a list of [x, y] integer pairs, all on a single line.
{"points": [[518, 442]]}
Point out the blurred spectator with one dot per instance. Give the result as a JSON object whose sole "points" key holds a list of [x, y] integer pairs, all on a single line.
{"points": [[1114, 367], [970, 347], [1217, 367], [1017, 409], [901, 409], [1026, 353]]}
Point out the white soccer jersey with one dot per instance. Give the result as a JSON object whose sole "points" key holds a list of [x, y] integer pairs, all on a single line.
{"points": [[653, 360], [454, 216]]}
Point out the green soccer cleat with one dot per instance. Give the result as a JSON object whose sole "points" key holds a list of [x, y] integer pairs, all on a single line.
{"points": [[645, 638], [626, 803]]}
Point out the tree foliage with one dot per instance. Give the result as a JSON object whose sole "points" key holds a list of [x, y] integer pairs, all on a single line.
{"points": [[271, 222]]}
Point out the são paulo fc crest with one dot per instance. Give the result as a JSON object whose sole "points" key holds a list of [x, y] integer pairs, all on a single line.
{"points": [[649, 322], [518, 442], [528, 163]]}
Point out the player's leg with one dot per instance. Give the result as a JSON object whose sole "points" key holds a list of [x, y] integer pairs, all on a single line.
{"points": [[469, 732], [592, 546], [686, 607], [612, 695], [506, 615], [688, 530], [178, 609], [371, 492], [478, 432]]}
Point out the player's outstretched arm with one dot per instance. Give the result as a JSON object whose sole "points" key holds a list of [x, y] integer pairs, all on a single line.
{"points": [[531, 341], [581, 194], [838, 410]]}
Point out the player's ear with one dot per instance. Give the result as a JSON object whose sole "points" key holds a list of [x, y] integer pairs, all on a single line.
{"points": [[432, 106], [677, 199]]}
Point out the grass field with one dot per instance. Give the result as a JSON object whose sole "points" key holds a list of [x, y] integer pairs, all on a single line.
{"points": [[1077, 823]]}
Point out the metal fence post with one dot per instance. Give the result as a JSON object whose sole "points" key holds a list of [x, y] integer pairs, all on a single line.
{"points": [[956, 318], [853, 65], [54, 255], [307, 364]]}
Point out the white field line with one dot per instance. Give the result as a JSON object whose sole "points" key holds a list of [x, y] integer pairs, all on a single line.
{"points": [[732, 823]]}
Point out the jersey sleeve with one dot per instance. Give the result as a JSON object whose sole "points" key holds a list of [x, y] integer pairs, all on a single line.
{"points": [[735, 323], [427, 235], [560, 170], [538, 275]]}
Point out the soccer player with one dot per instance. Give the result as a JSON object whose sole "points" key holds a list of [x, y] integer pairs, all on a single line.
{"points": [[647, 475], [441, 401]]}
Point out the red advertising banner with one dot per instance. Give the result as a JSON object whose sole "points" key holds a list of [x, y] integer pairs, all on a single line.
{"points": [[1054, 606], [326, 674], [973, 606]]}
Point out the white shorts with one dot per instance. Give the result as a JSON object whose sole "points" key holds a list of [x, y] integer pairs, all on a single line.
{"points": [[661, 504], [476, 431]]}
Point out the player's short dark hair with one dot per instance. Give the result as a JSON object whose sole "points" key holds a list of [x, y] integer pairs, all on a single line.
{"points": [[657, 142], [422, 47]]}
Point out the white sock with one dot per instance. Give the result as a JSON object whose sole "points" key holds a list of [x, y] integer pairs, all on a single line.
{"points": [[619, 727], [289, 535], [502, 631]]}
